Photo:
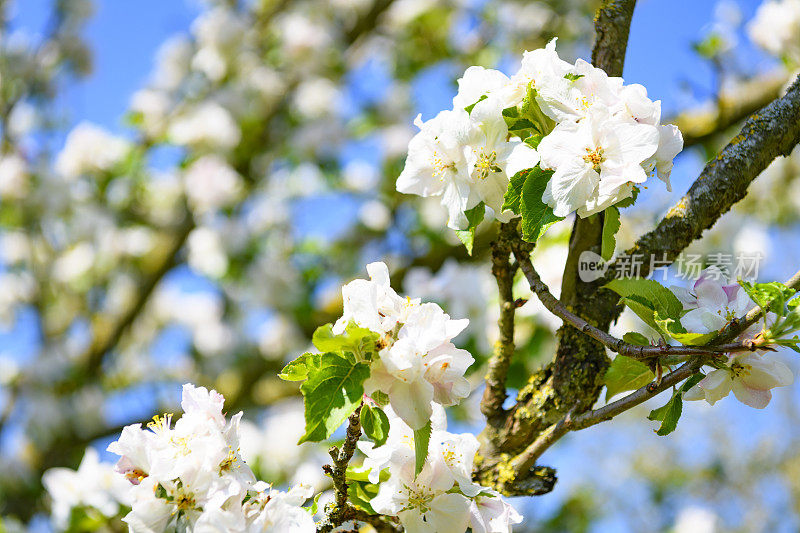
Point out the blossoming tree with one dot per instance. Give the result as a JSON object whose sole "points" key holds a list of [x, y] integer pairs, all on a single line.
{"points": [[521, 188]]}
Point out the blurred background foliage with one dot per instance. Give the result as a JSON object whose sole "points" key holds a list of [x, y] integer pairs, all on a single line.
{"points": [[203, 234]]}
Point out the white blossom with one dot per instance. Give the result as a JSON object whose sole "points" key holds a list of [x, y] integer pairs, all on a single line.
{"points": [[595, 162], [207, 125], [712, 304], [89, 149], [749, 376], [776, 28], [94, 484], [418, 363], [211, 183]]}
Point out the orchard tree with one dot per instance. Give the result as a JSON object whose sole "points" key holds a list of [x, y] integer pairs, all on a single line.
{"points": [[530, 282]]}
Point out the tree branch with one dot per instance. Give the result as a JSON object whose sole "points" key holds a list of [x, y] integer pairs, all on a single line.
{"points": [[523, 462], [495, 393], [612, 25], [613, 343], [337, 512], [767, 134]]}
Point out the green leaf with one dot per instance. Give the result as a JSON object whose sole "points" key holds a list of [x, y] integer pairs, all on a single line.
{"points": [[357, 340], [514, 191], [331, 394], [674, 329], [474, 217], [691, 382], [314, 507], [642, 308], [534, 140], [611, 226], [626, 374], [634, 337], [537, 216], [668, 414], [360, 473], [649, 291], [298, 369], [530, 109], [470, 107], [375, 424], [422, 438], [572, 77], [627, 202], [774, 294], [359, 494], [380, 397]]}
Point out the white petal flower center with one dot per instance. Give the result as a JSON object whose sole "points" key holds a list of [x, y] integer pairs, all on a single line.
{"points": [[486, 163]]}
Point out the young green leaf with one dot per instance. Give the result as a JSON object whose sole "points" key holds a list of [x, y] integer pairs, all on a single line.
{"points": [[375, 424], [470, 107], [422, 438], [611, 226], [537, 216], [675, 330], [627, 202], [331, 393], [774, 294], [531, 110], [514, 192], [534, 140], [359, 341], [668, 414], [634, 337], [649, 291], [298, 369], [380, 397], [474, 217], [626, 374], [359, 494]]}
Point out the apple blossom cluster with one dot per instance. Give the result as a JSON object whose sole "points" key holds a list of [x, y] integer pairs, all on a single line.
{"points": [[190, 475], [442, 497], [417, 363], [600, 138], [712, 304]]}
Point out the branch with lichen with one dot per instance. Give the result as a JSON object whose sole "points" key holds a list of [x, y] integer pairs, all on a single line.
{"points": [[523, 464], [771, 132], [503, 270]]}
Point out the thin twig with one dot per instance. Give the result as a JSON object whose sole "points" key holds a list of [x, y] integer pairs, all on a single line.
{"points": [[523, 462], [337, 513], [732, 330], [611, 342]]}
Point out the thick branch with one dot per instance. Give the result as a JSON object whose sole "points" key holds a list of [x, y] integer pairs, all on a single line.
{"points": [[767, 134], [612, 25]]}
